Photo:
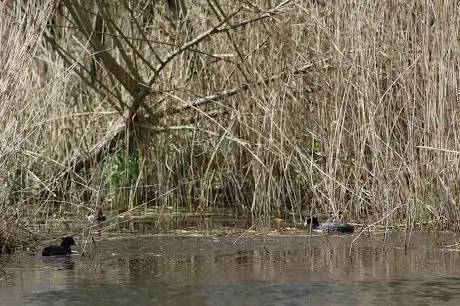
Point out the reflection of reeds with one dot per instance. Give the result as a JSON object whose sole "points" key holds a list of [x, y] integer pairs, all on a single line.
{"points": [[290, 259]]}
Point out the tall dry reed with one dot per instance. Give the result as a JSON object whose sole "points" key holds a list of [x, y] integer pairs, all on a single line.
{"points": [[311, 106]]}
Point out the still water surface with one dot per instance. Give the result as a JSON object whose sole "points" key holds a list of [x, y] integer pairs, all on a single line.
{"points": [[269, 270]]}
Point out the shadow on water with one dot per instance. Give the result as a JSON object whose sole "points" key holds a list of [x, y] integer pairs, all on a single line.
{"points": [[285, 270]]}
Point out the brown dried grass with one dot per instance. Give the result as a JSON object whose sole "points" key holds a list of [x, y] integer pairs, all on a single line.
{"points": [[368, 128]]}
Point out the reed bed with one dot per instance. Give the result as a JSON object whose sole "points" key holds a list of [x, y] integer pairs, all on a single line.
{"points": [[268, 108]]}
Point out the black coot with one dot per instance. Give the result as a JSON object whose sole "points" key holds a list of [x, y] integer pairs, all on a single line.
{"points": [[97, 217], [329, 227], [96, 220], [59, 250]]}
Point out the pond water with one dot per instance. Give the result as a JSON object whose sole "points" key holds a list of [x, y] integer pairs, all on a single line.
{"points": [[256, 270]]}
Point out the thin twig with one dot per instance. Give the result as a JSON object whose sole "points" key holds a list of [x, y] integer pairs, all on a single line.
{"points": [[372, 225]]}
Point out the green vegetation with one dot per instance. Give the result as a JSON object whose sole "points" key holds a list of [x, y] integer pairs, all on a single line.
{"points": [[266, 108]]}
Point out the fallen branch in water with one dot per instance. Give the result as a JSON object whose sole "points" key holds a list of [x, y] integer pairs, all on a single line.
{"points": [[373, 225]]}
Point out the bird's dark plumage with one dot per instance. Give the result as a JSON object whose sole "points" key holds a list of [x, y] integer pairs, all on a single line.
{"points": [[329, 227], [59, 250]]}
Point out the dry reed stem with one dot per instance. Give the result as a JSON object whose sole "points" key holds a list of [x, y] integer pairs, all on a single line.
{"points": [[371, 126]]}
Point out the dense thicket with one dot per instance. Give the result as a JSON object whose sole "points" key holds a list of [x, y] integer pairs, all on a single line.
{"points": [[265, 107]]}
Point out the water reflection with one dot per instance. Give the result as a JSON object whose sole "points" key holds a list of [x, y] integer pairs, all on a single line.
{"points": [[227, 271], [60, 263]]}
